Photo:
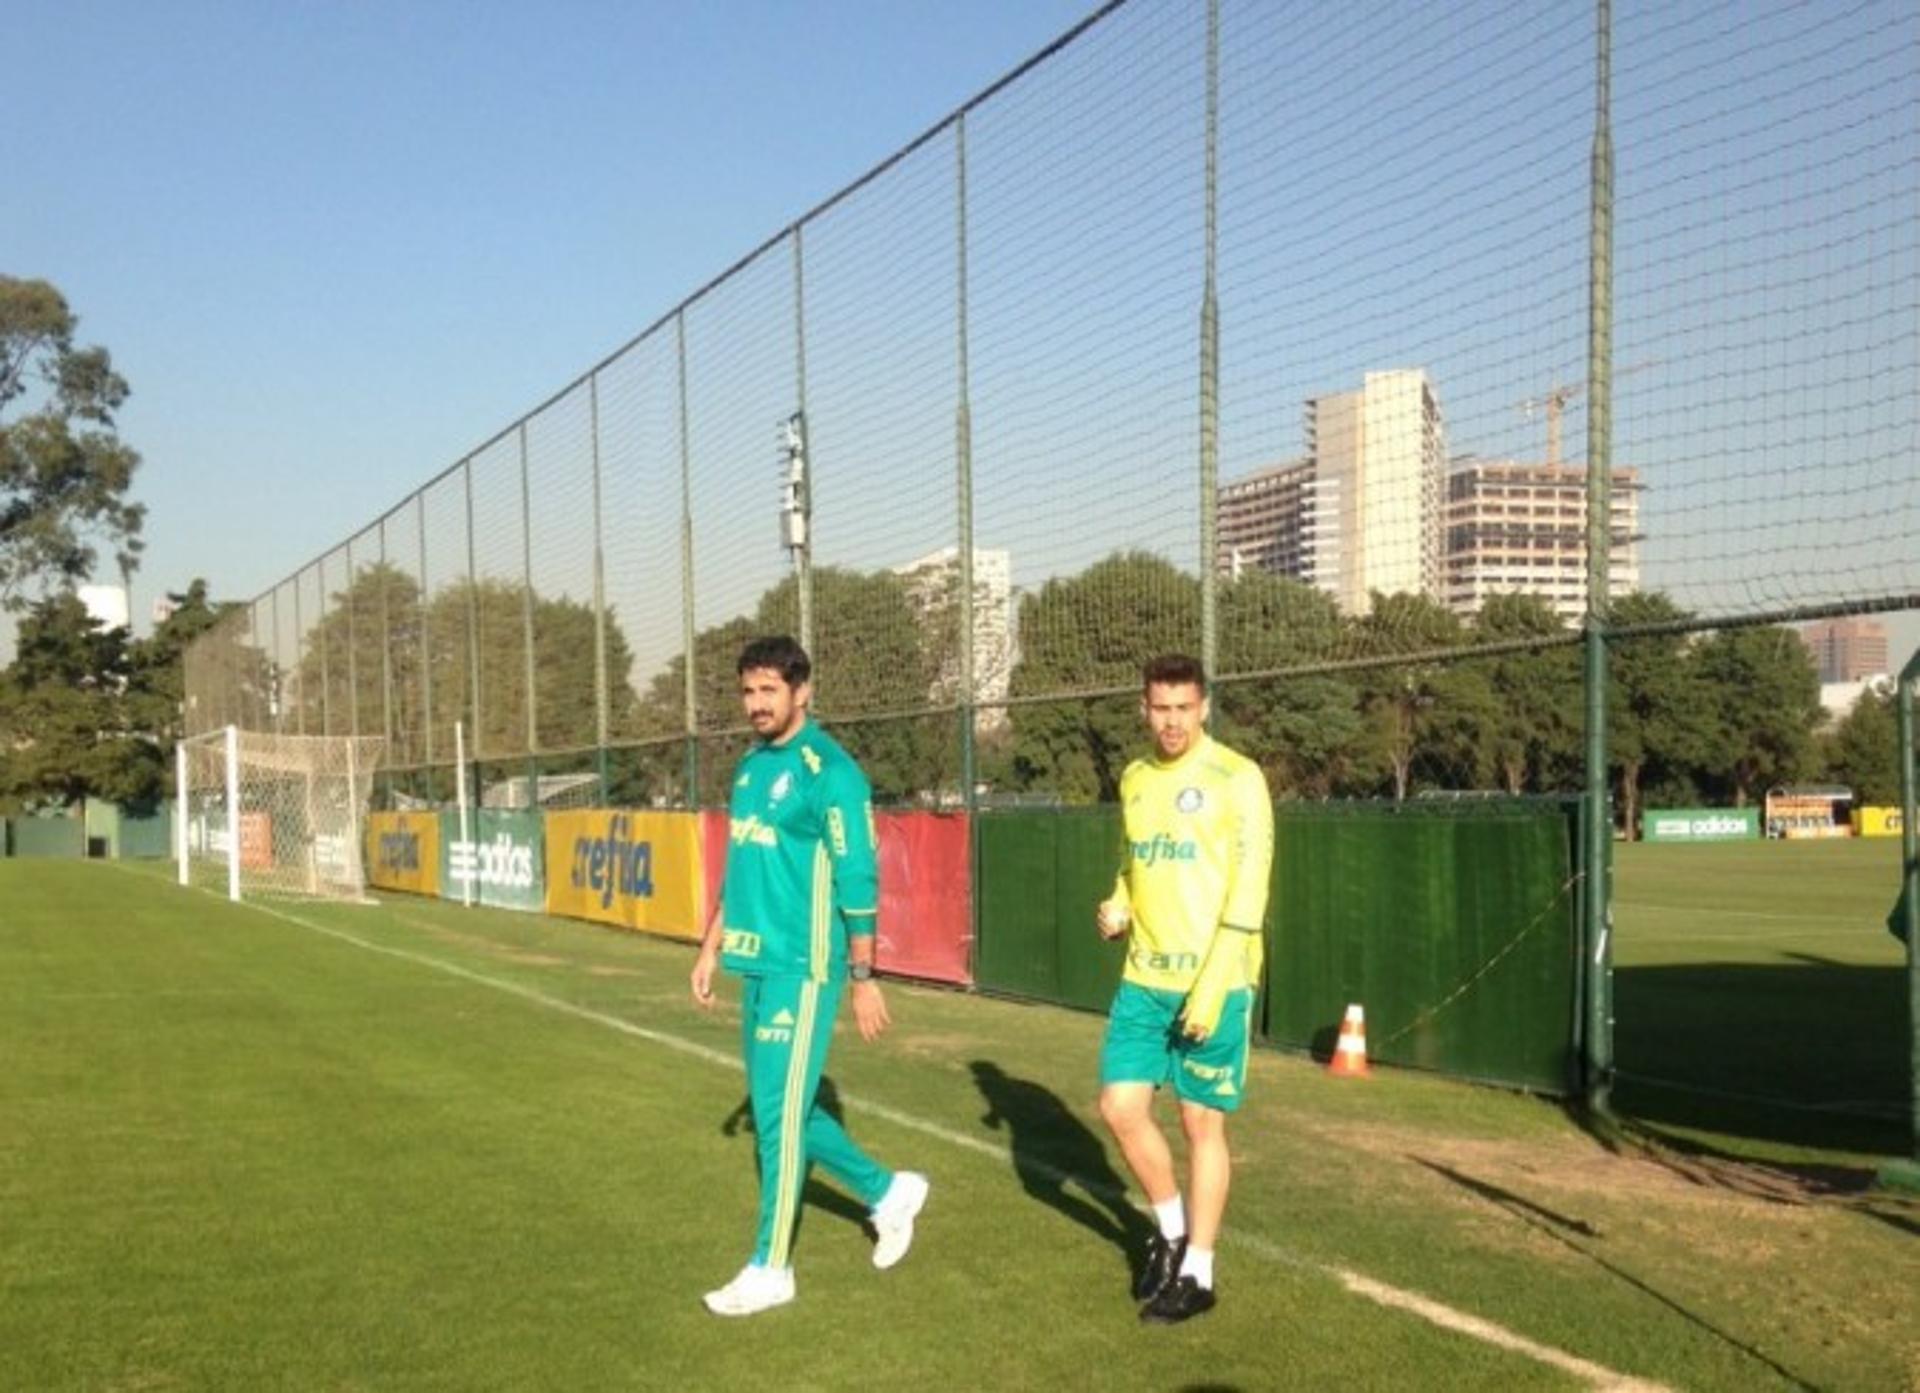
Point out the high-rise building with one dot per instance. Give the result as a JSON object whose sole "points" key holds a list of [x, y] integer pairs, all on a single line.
{"points": [[1362, 512], [1515, 527], [1848, 650], [1266, 521], [933, 584], [1379, 455]]}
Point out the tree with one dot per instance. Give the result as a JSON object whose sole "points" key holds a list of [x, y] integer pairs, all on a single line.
{"points": [[1303, 731], [64, 473], [66, 727], [1535, 693], [1658, 717], [1863, 751], [1763, 703], [870, 655], [1421, 710], [1084, 633], [156, 691]]}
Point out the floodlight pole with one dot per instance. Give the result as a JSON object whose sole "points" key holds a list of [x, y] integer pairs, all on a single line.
{"points": [[1905, 919]]}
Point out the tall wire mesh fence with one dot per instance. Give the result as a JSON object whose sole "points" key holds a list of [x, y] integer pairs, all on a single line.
{"points": [[1265, 331]]}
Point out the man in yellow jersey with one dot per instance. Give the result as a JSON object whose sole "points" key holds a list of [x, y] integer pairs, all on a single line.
{"points": [[1192, 892]]}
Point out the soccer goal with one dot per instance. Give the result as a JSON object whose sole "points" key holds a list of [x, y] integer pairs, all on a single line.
{"points": [[274, 814]]}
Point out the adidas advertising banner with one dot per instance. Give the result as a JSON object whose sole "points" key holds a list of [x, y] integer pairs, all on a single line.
{"points": [[1700, 824], [504, 865], [637, 870], [403, 852]]}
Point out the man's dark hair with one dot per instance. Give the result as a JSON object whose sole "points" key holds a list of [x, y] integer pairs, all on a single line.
{"points": [[779, 652], [1174, 670]]}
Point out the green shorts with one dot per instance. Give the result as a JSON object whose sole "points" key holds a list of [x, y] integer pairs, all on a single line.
{"points": [[1144, 1044]]}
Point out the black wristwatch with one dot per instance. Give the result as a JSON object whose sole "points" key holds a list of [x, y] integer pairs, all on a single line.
{"points": [[860, 972]]}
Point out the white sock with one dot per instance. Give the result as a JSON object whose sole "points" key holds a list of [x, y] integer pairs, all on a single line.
{"points": [[1198, 1264], [1172, 1215]]}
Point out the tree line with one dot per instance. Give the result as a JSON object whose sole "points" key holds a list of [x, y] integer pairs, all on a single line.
{"points": [[1393, 704]]}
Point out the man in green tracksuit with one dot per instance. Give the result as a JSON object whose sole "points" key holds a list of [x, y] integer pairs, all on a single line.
{"points": [[795, 922]]}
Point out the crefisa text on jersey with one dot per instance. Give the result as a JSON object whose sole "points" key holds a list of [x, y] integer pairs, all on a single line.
{"points": [[1161, 847]]}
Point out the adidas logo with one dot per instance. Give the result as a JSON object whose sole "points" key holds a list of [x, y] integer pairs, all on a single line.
{"points": [[783, 1017], [1226, 1089]]}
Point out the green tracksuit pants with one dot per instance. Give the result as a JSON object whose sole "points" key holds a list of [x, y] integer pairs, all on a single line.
{"points": [[786, 1026]]}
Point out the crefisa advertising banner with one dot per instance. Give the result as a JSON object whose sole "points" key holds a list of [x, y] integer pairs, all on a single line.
{"points": [[501, 863], [403, 852], [638, 870]]}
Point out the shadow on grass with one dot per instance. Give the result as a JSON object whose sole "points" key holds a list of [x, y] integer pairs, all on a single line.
{"points": [[1813, 1055], [1559, 1227], [1053, 1149]]}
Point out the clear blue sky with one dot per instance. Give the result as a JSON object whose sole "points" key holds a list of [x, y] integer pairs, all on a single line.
{"points": [[333, 246]]}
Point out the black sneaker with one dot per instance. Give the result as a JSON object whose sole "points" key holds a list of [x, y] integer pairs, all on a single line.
{"points": [[1160, 1268], [1179, 1300]]}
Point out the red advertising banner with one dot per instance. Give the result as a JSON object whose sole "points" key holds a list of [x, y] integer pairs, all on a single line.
{"points": [[256, 841], [713, 847], [926, 896], [926, 891]]}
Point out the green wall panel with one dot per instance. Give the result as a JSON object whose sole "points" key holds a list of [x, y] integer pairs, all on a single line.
{"points": [[1454, 924], [148, 837], [49, 836], [1016, 888]]}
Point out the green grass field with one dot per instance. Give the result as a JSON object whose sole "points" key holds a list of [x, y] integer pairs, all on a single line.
{"points": [[412, 1146], [1761, 1002]]}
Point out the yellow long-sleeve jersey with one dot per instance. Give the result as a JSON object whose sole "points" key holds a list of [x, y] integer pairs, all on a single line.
{"points": [[1195, 871]]}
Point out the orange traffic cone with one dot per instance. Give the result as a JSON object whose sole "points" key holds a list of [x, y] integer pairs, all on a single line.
{"points": [[1350, 1055]]}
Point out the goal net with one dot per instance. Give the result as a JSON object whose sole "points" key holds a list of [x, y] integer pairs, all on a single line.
{"points": [[275, 814]]}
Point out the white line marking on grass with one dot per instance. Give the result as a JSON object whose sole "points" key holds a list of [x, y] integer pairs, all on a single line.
{"points": [[1394, 1298], [1450, 1319]]}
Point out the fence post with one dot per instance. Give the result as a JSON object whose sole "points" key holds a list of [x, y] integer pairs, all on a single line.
{"points": [[181, 798], [1906, 1174], [320, 641], [526, 596], [1597, 1061], [426, 646], [386, 661], [601, 697], [803, 554], [691, 711], [232, 752], [299, 673], [1210, 371], [963, 471], [353, 658], [473, 623]]}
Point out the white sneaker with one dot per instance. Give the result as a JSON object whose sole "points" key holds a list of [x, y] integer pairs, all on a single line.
{"points": [[756, 1289], [893, 1217]]}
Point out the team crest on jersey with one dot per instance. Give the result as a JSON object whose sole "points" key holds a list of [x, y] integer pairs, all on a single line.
{"points": [[782, 786], [1191, 800]]}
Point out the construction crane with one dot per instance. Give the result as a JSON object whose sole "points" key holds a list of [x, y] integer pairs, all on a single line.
{"points": [[1554, 402]]}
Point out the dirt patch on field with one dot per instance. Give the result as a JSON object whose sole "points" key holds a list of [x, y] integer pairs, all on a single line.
{"points": [[1630, 1169]]}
